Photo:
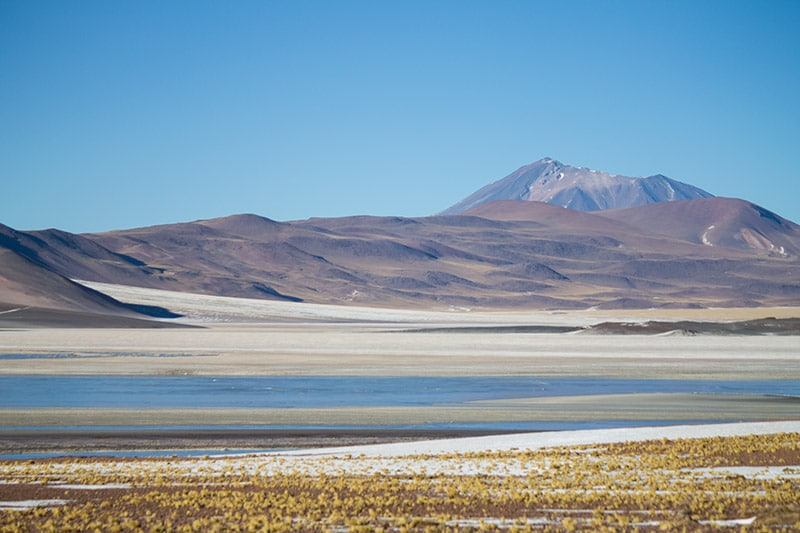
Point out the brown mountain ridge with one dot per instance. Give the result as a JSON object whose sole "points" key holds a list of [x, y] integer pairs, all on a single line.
{"points": [[32, 290], [695, 253]]}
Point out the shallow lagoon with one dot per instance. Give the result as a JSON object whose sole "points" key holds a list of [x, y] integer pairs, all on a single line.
{"points": [[57, 391], [292, 395]]}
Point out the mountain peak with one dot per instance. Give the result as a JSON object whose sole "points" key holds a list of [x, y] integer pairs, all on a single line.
{"points": [[551, 181]]}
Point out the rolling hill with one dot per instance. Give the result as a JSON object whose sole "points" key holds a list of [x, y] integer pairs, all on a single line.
{"points": [[720, 222], [32, 290]]}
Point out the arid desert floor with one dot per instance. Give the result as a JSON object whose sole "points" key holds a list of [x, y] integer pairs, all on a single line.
{"points": [[703, 476], [243, 337]]}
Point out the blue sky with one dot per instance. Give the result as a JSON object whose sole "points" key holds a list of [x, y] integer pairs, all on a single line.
{"points": [[123, 114]]}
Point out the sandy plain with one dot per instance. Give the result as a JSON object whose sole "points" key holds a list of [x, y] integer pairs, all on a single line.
{"points": [[256, 337]]}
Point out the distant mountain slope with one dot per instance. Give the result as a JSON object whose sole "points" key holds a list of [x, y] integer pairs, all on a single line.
{"points": [[506, 254], [232, 256], [496, 255], [720, 222], [29, 288], [549, 215], [581, 189]]}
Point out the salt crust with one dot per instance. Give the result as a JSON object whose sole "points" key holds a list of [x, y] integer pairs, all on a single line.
{"points": [[532, 441]]}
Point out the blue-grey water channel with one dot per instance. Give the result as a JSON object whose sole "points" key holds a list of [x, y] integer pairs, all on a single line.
{"points": [[51, 391], [148, 392]]}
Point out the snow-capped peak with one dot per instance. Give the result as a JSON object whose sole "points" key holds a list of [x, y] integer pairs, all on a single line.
{"points": [[548, 180]]}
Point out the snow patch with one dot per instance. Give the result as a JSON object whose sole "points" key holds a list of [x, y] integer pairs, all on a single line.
{"points": [[14, 310], [780, 250], [29, 504], [74, 486], [705, 236], [729, 523]]}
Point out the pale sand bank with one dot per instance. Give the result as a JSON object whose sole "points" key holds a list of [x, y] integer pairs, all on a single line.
{"points": [[261, 337], [363, 350], [204, 308]]}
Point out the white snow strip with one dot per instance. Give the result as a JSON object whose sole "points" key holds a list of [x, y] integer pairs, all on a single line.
{"points": [[29, 504], [531, 441], [73, 486], [729, 523], [705, 236], [478, 524]]}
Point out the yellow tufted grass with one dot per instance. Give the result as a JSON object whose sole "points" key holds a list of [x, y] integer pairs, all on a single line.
{"points": [[749, 483]]}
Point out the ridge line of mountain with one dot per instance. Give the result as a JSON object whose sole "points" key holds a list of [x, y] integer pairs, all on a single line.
{"points": [[511, 244], [694, 253], [583, 189]]}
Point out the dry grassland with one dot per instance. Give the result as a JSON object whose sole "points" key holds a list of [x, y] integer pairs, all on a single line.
{"points": [[750, 483]]}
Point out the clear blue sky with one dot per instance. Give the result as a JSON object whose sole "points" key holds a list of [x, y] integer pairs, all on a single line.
{"points": [[117, 114]]}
